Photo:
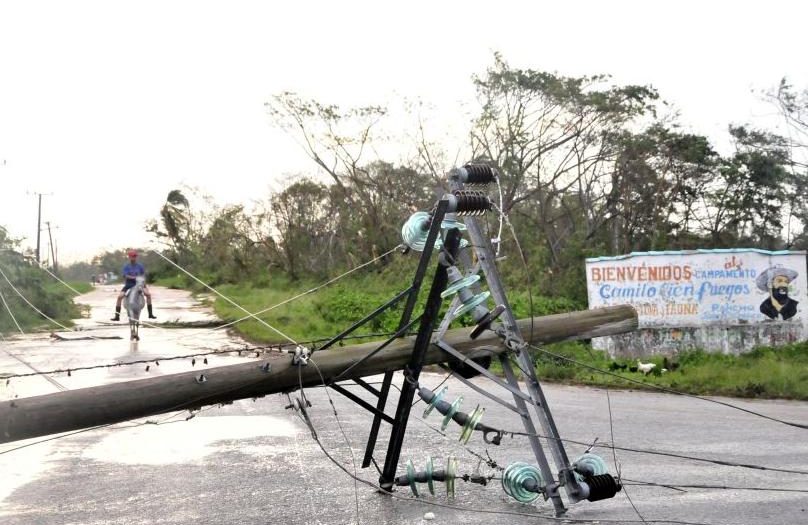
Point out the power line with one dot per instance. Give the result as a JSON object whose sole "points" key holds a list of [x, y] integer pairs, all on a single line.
{"points": [[43, 267], [310, 424], [513, 433], [660, 453], [54, 438], [341, 429], [286, 301], [712, 487], [331, 401], [492, 463], [229, 300], [311, 290], [281, 348], [37, 310], [614, 447], [137, 362], [52, 381], [616, 464], [10, 313]]}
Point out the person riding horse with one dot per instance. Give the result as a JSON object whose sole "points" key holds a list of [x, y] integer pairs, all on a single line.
{"points": [[131, 271]]}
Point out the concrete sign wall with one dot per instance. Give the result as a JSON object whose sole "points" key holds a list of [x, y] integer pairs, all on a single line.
{"points": [[701, 292]]}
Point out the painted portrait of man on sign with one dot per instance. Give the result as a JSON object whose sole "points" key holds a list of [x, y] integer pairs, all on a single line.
{"points": [[776, 281]]}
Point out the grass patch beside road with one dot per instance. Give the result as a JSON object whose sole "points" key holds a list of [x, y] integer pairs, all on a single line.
{"points": [[79, 286], [766, 372], [52, 297], [334, 308]]}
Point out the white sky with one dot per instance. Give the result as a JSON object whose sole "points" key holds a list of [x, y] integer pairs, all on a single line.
{"points": [[107, 106]]}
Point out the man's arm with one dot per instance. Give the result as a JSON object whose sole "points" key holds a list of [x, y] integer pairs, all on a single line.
{"points": [[128, 275]]}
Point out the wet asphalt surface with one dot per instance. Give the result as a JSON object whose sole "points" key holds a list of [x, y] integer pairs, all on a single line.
{"points": [[254, 462]]}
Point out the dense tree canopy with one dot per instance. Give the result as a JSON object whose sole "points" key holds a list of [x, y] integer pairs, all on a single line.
{"points": [[587, 168]]}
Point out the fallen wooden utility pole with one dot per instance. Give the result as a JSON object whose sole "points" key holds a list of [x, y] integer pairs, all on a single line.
{"points": [[88, 407]]}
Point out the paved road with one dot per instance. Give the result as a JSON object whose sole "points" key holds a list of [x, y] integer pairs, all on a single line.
{"points": [[253, 462]]}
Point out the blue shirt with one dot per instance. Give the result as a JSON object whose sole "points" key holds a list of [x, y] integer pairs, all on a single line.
{"points": [[133, 269]]}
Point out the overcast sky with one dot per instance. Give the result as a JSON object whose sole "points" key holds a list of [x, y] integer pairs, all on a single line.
{"points": [[107, 106]]}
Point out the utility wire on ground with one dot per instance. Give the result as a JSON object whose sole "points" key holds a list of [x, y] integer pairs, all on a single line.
{"points": [[307, 419], [51, 380], [229, 300]]}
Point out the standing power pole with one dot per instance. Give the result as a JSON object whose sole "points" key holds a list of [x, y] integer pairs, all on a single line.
{"points": [[52, 248], [38, 226]]}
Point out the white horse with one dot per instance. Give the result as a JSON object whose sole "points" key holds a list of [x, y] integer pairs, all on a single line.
{"points": [[134, 302]]}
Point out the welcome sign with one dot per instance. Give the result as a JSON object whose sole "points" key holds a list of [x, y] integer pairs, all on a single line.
{"points": [[703, 287]]}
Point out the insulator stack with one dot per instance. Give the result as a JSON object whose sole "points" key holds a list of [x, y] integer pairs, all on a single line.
{"points": [[415, 231], [522, 482], [471, 424], [590, 465], [603, 486], [471, 302], [477, 174], [429, 476], [592, 474], [450, 221], [468, 299], [451, 412], [436, 398], [469, 202]]}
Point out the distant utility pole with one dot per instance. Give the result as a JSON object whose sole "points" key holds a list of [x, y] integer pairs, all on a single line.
{"points": [[38, 226], [39, 223], [52, 248]]}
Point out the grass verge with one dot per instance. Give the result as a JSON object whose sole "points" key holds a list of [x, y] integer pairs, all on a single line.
{"points": [[80, 286], [766, 372], [51, 297]]}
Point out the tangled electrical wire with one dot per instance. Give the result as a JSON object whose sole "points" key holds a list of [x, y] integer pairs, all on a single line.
{"points": [[488, 460], [303, 406], [246, 349]]}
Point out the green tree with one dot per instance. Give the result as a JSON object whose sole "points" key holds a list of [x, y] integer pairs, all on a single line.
{"points": [[368, 197], [748, 200], [303, 220], [34, 284], [551, 137], [178, 227], [793, 106], [657, 187]]}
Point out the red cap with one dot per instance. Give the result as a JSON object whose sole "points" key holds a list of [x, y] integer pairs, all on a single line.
{"points": [[132, 253]]}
